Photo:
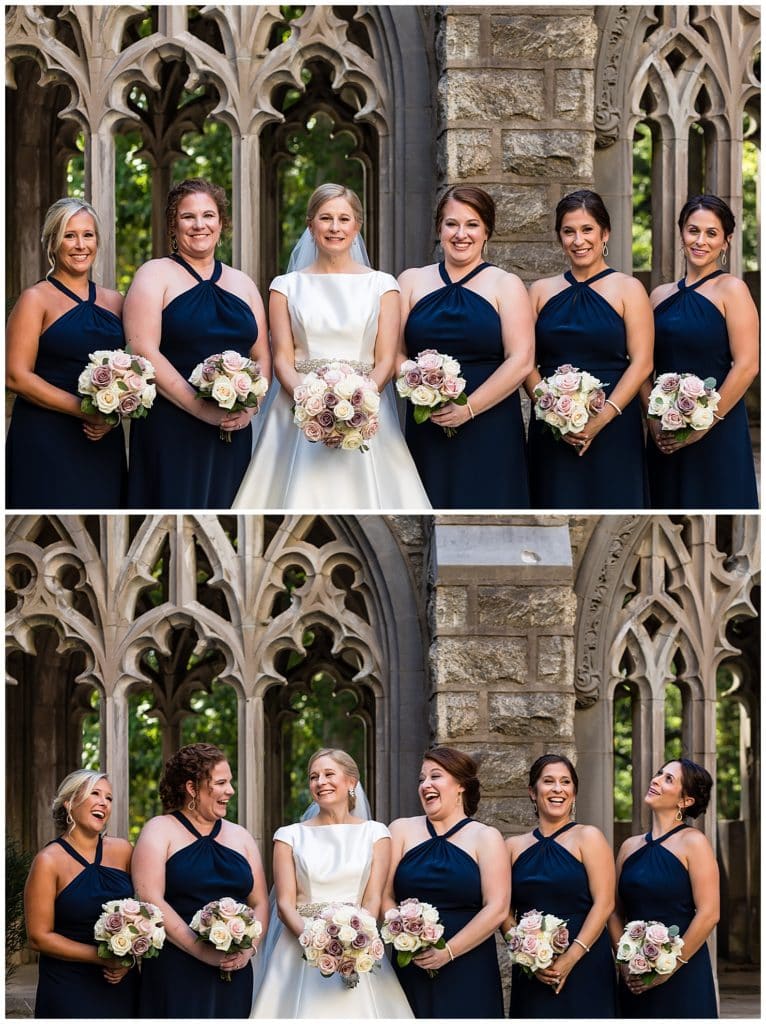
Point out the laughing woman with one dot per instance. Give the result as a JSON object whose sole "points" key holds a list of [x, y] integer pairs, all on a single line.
{"points": [[566, 869], [69, 881]]}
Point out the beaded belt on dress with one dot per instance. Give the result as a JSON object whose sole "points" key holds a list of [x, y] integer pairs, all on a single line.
{"points": [[313, 909], [307, 365]]}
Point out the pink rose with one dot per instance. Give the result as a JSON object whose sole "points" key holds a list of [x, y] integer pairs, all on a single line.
{"points": [[532, 921], [685, 404], [128, 404], [429, 359], [144, 925], [370, 428], [241, 383], [567, 368], [691, 386], [326, 419], [377, 949], [101, 376], [360, 941], [514, 942], [672, 420], [657, 933], [327, 964], [395, 925], [332, 377], [237, 928], [347, 967], [333, 441], [636, 930], [560, 939], [410, 910], [227, 907], [564, 405], [208, 373], [567, 383], [333, 929], [313, 405], [434, 378], [432, 932], [233, 361], [651, 950], [300, 394], [140, 945], [415, 926], [121, 360], [453, 386], [206, 917], [330, 399], [529, 944], [334, 947], [413, 378], [669, 382], [312, 431], [114, 922], [356, 421], [597, 401], [134, 381], [545, 402], [638, 964]]}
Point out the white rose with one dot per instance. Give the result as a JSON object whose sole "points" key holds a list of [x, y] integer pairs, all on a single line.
{"points": [[352, 441], [241, 382], [121, 943], [364, 963], [524, 959], [403, 388], [658, 403], [259, 387], [108, 399], [311, 954], [430, 914], [701, 418], [220, 936], [223, 393], [148, 395], [578, 417], [346, 387], [451, 366], [665, 963], [370, 401], [626, 950], [347, 934], [316, 386], [101, 355], [84, 383], [423, 395], [196, 375], [408, 943], [300, 416], [343, 411], [544, 954], [158, 937], [343, 915]]}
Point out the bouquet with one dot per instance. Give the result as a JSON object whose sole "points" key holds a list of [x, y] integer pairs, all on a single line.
{"points": [[338, 406], [233, 381], [650, 948], [536, 940], [410, 927], [226, 924], [683, 402], [129, 930], [117, 384], [430, 381], [343, 940], [567, 399]]}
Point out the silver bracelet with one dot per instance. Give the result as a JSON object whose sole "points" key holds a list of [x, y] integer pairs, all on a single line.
{"points": [[614, 405], [581, 943]]}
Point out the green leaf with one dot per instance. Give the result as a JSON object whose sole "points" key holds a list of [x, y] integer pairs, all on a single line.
{"points": [[403, 957], [421, 413]]}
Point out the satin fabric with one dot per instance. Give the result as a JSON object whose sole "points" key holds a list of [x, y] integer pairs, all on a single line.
{"points": [[333, 317], [49, 462], [65, 988], [548, 878], [332, 864], [717, 472]]}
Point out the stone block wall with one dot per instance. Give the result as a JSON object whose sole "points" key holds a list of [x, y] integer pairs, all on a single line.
{"points": [[515, 101], [501, 618]]}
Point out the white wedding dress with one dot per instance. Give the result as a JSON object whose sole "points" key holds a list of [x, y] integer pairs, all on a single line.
{"points": [[332, 864], [334, 317]]}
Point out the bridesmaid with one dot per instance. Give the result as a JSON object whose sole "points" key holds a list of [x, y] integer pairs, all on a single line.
{"points": [[56, 455], [670, 875], [565, 869], [599, 320], [476, 313], [179, 310], [68, 882], [184, 859], [448, 859], [706, 324]]}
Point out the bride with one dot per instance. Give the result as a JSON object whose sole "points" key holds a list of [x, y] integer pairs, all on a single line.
{"points": [[333, 857], [334, 309]]}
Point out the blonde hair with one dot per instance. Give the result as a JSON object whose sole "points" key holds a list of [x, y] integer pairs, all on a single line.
{"points": [[55, 225], [329, 191], [345, 762], [75, 788]]}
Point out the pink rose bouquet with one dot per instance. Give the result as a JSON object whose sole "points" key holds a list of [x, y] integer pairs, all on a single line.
{"points": [[226, 925], [430, 381], [344, 940], [232, 381], [130, 931], [650, 948], [338, 406], [683, 402], [567, 399], [117, 384], [410, 927], [536, 940]]}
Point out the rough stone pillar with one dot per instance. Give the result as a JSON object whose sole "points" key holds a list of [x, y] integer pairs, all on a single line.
{"points": [[516, 105], [99, 191], [245, 188], [250, 772], [162, 176], [115, 756], [502, 614]]}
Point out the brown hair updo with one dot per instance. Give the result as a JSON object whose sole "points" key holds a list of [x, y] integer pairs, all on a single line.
{"points": [[193, 763], [190, 187], [472, 196], [461, 767]]}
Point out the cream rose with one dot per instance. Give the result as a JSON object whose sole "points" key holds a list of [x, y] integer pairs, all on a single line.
{"points": [[352, 441], [148, 395], [223, 393], [701, 418], [108, 400], [121, 943], [220, 936], [423, 395]]}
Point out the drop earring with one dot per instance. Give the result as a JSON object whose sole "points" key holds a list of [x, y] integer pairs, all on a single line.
{"points": [[173, 245], [605, 250], [723, 258], [679, 815], [192, 805]]}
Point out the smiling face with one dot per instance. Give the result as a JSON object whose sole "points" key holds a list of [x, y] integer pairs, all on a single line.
{"points": [[462, 233], [92, 813], [665, 791], [213, 794], [329, 784], [197, 225], [440, 793], [582, 239], [554, 792], [79, 245], [703, 240], [334, 227]]}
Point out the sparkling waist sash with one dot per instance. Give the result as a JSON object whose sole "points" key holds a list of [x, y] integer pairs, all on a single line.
{"points": [[308, 365], [312, 909]]}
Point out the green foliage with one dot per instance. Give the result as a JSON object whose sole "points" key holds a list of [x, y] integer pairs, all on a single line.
{"points": [[17, 865], [642, 198], [750, 190], [215, 721], [145, 745], [318, 155], [623, 754], [673, 723], [728, 783]]}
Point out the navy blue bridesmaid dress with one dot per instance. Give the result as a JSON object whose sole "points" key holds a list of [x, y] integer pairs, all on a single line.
{"points": [[484, 464], [546, 877], [578, 326], [176, 459], [177, 984], [71, 990], [717, 472], [655, 886], [442, 874], [49, 462]]}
